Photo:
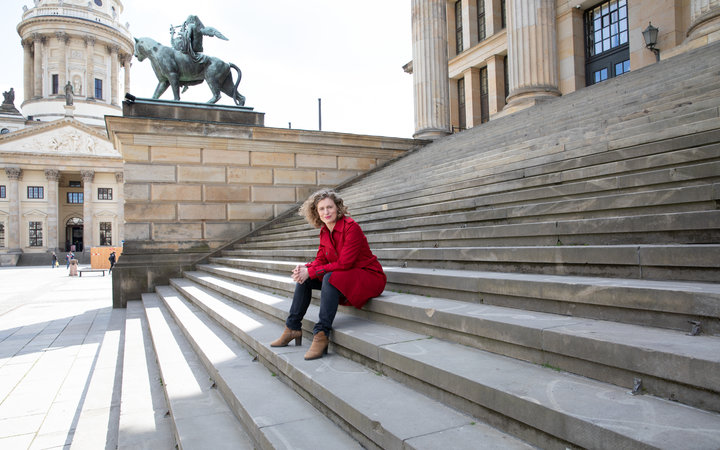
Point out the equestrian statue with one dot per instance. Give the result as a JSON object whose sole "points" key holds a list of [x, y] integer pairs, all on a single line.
{"points": [[184, 64]]}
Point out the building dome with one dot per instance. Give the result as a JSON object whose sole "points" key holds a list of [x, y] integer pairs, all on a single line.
{"points": [[80, 42]]}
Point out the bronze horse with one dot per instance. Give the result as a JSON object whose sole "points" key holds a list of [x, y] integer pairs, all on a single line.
{"points": [[173, 68]]}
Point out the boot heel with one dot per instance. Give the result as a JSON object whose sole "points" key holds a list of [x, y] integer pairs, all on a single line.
{"points": [[298, 341]]}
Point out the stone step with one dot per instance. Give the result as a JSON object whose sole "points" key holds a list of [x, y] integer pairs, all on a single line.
{"points": [[281, 420], [506, 391], [380, 411], [201, 419], [679, 166], [97, 421], [652, 202], [662, 304], [144, 422], [670, 262], [607, 351]]}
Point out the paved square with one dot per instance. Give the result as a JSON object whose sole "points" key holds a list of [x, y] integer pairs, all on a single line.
{"points": [[52, 330]]}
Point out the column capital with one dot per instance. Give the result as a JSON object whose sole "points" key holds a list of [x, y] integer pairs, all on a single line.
{"points": [[62, 36], [89, 40], [119, 177], [52, 174], [87, 175], [113, 49], [38, 38], [14, 173]]}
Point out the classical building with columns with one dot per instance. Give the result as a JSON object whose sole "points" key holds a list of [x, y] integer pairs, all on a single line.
{"points": [[61, 180], [476, 60]]}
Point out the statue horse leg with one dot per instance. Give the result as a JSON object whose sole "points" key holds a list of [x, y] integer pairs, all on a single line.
{"points": [[161, 87]]}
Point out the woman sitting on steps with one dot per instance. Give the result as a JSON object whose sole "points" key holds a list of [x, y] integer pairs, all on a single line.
{"points": [[345, 271]]}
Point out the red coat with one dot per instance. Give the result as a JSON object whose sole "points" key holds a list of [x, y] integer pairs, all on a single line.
{"points": [[356, 272]]}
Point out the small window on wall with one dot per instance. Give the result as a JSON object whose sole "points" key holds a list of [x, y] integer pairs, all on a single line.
{"points": [[462, 122], [35, 234], [2, 191], [35, 192], [55, 83], [98, 88], [458, 27], [75, 184], [104, 193], [105, 233], [75, 197], [2, 235]]}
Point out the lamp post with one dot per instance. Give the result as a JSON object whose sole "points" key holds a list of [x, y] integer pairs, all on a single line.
{"points": [[650, 35]]}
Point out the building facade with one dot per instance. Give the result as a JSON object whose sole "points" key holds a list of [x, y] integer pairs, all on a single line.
{"points": [[61, 180], [500, 56]]}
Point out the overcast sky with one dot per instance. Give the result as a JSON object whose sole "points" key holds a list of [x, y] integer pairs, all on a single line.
{"points": [[291, 53]]}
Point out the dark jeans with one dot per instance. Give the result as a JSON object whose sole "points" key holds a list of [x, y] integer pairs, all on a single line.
{"points": [[329, 300]]}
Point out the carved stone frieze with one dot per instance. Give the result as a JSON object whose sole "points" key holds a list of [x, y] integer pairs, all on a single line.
{"points": [[66, 141]]}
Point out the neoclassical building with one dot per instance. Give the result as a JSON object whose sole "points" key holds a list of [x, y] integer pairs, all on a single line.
{"points": [[61, 180], [475, 60]]}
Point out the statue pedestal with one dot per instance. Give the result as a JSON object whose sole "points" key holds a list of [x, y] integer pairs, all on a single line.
{"points": [[69, 110], [195, 112]]}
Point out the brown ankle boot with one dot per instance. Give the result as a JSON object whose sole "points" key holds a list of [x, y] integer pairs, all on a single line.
{"points": [[318, 347], [287, 336]]}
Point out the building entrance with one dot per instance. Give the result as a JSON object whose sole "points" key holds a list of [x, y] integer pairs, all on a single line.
{"points": [[74, 234]]}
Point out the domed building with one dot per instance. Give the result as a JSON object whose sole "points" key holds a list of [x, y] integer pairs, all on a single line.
{"points": [[61, 180]]}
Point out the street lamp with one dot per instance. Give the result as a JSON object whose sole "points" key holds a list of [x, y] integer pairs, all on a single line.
{"points": [[650, 35]]}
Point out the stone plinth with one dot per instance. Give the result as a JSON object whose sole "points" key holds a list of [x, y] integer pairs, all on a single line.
{"points": [[195, 112], [193, 186]]}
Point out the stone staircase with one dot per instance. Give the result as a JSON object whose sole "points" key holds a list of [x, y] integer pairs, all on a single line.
{"points": [[552, 283]]}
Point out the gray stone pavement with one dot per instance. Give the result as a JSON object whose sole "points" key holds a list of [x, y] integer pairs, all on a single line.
{"points": [[52, 330]]}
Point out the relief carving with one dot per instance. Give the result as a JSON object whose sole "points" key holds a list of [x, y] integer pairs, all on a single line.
{"points": [[63, 141]]}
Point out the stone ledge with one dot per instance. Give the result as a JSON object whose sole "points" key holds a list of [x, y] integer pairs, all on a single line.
{"points": [[195, 112]]}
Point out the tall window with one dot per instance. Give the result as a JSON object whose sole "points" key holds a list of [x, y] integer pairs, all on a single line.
{"points": [[98, 88], [481, 20], [75, 197], [484, 96], [503, 14], [507, 78], [55, 83], [606, 41], [105, 233], [458, 27], [36, 234], [462, 122], [2, 235], [3, 193], [104, 193], [35, 192]]}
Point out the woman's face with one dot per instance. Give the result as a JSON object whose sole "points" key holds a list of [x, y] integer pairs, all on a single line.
{"points": [[327, 210]]}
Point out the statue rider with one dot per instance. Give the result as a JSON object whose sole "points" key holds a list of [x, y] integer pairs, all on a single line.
{"points": [[190, 38]]}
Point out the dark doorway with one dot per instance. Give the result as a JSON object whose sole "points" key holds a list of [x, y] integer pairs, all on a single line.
{"points": [[74, 234]]}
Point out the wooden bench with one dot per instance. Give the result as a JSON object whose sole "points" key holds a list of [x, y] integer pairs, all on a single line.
{"points": [[80, 271]]}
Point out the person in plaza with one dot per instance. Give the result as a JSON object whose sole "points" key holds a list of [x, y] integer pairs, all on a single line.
{"points": [[345, 271], [68, 257], [54, 260], [112, 261]]}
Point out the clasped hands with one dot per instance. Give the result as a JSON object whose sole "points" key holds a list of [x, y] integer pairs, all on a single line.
{"points": [[300, 274]]}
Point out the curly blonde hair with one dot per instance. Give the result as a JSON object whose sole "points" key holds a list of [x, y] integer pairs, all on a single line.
{"points": [[309, 209]]}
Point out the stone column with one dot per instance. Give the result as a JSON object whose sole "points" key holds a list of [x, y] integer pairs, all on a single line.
{"points": [[496, 84], [88, 219], [62, 38], [704, 18], [52, 176], [37, 62], [13, 193], [430, 69], [90, 66], [127, 63], [28, 81], [532, 51], [119, 234], [114, 71], [473, 108]]}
